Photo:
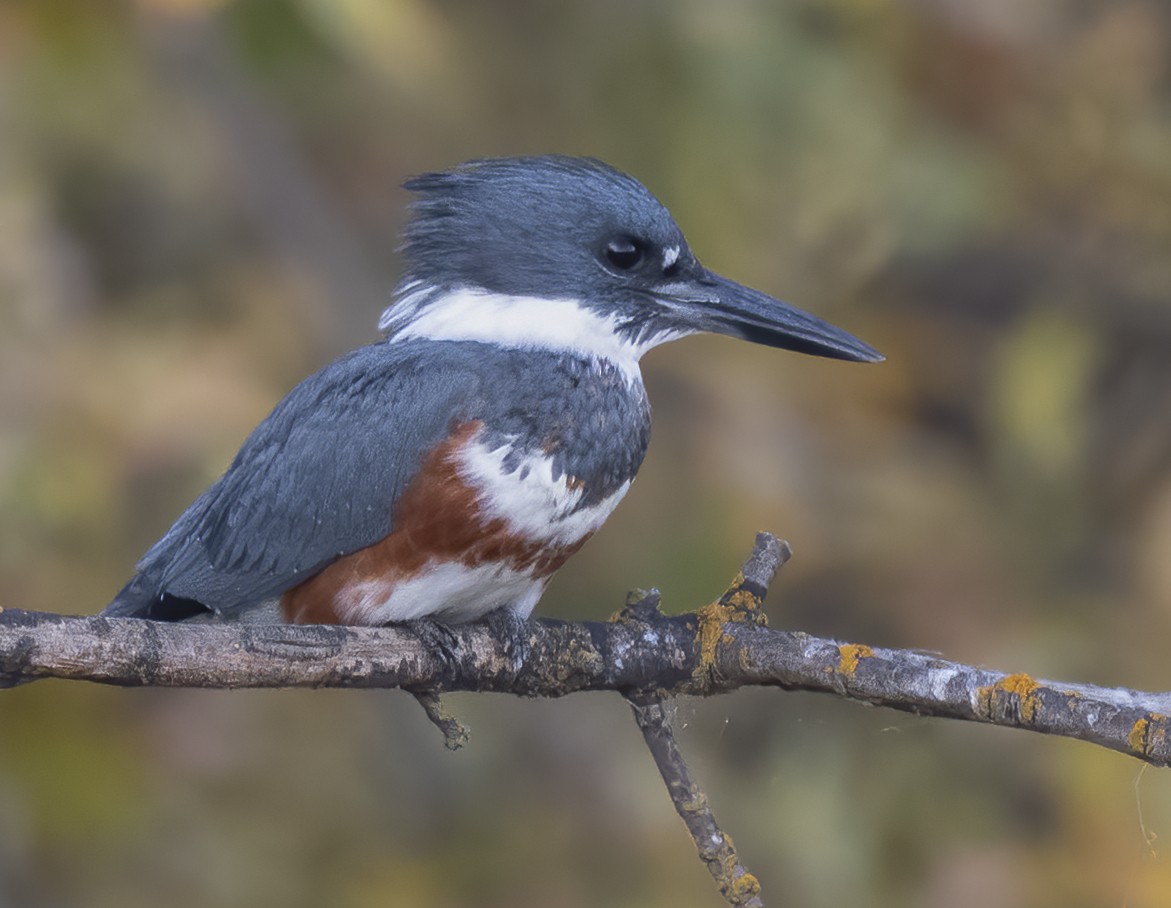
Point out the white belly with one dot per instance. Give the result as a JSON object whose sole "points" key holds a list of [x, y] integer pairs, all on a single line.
{"points": [[450, 592]]}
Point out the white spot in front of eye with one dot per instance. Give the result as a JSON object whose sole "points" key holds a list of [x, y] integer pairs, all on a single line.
{"points": [[670, 256]]}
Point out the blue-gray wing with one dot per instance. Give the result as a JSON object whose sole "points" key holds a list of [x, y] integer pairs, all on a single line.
{"points": [[316, 480]]}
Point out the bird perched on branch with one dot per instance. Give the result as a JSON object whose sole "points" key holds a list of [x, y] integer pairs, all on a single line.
{"points": [[450, 469]]}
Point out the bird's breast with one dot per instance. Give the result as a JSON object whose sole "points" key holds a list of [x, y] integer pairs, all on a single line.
{"points": [[533, 495], [490, 515]]}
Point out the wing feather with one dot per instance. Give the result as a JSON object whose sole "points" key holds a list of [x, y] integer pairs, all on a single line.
{"points": [[316, 480]]}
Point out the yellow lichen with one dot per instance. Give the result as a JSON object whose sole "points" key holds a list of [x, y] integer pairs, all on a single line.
{"points": [[746, 606], [711, 620], [736, 606], [744, 886], [1137, 739], [736, 883], [1021, 686], [850, 654], [743, 600], [1148, 735]]}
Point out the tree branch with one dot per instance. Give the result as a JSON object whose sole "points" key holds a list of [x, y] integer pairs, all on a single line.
{"points": [[713, 650]]}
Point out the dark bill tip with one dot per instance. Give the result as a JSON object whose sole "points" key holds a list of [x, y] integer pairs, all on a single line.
{"points": [[830, 342]]}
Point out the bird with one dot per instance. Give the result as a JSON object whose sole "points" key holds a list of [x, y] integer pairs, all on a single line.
{"points": [[448, 470]]}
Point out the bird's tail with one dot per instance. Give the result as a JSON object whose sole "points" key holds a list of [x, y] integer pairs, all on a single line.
{"points": [[142, 599]]}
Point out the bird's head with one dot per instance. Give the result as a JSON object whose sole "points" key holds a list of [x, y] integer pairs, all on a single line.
{"points": [[500, 249]]}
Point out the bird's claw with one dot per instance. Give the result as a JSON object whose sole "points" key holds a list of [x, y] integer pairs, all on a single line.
{"points": [[513, 632], [438, 638]]}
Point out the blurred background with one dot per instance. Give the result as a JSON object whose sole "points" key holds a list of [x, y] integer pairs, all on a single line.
{"points": [[200, 205]]}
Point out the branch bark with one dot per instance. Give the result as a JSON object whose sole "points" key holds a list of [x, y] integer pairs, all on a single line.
{"points": [[713, 650]]}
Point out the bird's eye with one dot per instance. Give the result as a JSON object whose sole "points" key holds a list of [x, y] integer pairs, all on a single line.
{"points": [[624, 253]]}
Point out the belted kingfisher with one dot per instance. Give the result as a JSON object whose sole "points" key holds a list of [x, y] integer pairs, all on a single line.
{"points": [[451, 468]]}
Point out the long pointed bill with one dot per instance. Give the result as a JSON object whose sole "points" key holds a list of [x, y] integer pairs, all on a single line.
{"points": [[725, 307]]}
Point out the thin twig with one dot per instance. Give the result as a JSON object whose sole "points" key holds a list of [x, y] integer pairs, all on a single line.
{"points": [[455, 733], [715, 847]]}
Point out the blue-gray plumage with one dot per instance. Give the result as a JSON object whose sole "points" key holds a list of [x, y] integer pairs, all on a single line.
{"points": [[452, 468]]}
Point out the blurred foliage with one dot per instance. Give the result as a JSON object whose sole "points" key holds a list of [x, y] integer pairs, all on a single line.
{"points": [[199, 206]]}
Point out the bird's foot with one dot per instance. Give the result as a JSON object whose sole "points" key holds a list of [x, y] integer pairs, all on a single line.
{"points": [[437, 638], [514, 633]]}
